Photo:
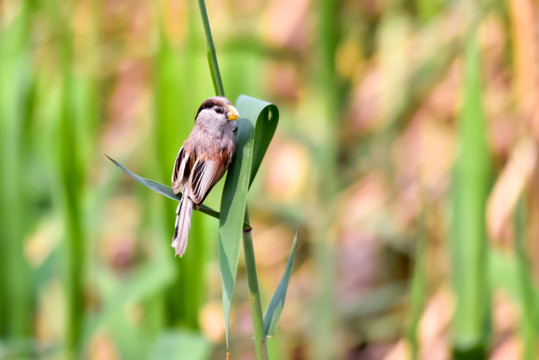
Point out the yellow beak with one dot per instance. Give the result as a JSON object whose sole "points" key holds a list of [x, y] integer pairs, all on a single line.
{"points": [[233, 113]]}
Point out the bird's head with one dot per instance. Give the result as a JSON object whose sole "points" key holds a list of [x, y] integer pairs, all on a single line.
{"points": [[217, 108]]}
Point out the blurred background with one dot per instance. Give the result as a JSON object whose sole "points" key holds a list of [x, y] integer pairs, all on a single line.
{"points": [[405, 156]]}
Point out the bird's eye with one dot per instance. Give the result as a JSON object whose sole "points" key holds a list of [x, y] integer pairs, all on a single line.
{"points": [[219, 110]]}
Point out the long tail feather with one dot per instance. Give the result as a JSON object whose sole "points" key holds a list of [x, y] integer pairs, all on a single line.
{"points": [[183, 224]]}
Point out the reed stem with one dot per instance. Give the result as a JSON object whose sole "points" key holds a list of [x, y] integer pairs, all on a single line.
{"points": [[212, 55], [248, 249], [254, 293]]}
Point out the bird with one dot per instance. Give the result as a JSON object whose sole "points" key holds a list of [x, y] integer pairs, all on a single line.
{"points": [[202, 161]]}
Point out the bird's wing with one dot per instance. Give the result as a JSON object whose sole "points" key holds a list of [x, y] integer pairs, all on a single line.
{"points": [[182, 169], [205, 174]]}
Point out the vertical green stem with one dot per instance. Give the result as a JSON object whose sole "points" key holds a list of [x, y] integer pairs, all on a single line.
{"points": [[250, 262], [175, 70], [324, 319], [71, 180], [15, 284], [470, 189], [212, 56], [254, 292]]}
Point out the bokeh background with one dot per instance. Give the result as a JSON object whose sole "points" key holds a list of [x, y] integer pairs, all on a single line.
{"points": [[406, 157]]}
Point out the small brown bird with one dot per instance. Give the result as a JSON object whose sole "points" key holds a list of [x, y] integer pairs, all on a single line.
{"points": [[202, 161]]}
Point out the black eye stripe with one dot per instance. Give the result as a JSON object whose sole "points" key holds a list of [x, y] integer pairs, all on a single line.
{"points": [[204, 106], [213, 103]]}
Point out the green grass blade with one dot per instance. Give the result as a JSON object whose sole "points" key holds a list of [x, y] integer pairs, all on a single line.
{"points": [[255, 130], [15, 87], [176, 91], [150, 184], [525, 284], [71, 178], [162, 189], [275, 307], [471, 185], [327, 103], [503, 273]]}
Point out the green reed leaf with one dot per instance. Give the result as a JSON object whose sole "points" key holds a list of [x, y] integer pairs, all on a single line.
{"points": [[255, 130], [162, 189], [266, 118], [528, 303], [470, 189], [273, 312]]}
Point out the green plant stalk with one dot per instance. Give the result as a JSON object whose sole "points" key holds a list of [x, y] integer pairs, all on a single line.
{"points": [[470, 187], [529, 311], [250, 262], [172, 124], [15, 288], [254, 292], [71, 180], [196, 261], [212, 55], [324, 320]]}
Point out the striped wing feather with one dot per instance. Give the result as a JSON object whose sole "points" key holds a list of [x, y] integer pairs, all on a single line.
{"points": [[205, 174], [182, 169]]}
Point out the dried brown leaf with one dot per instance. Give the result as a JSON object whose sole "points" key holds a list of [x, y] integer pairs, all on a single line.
{"points": [[511, 183]]}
